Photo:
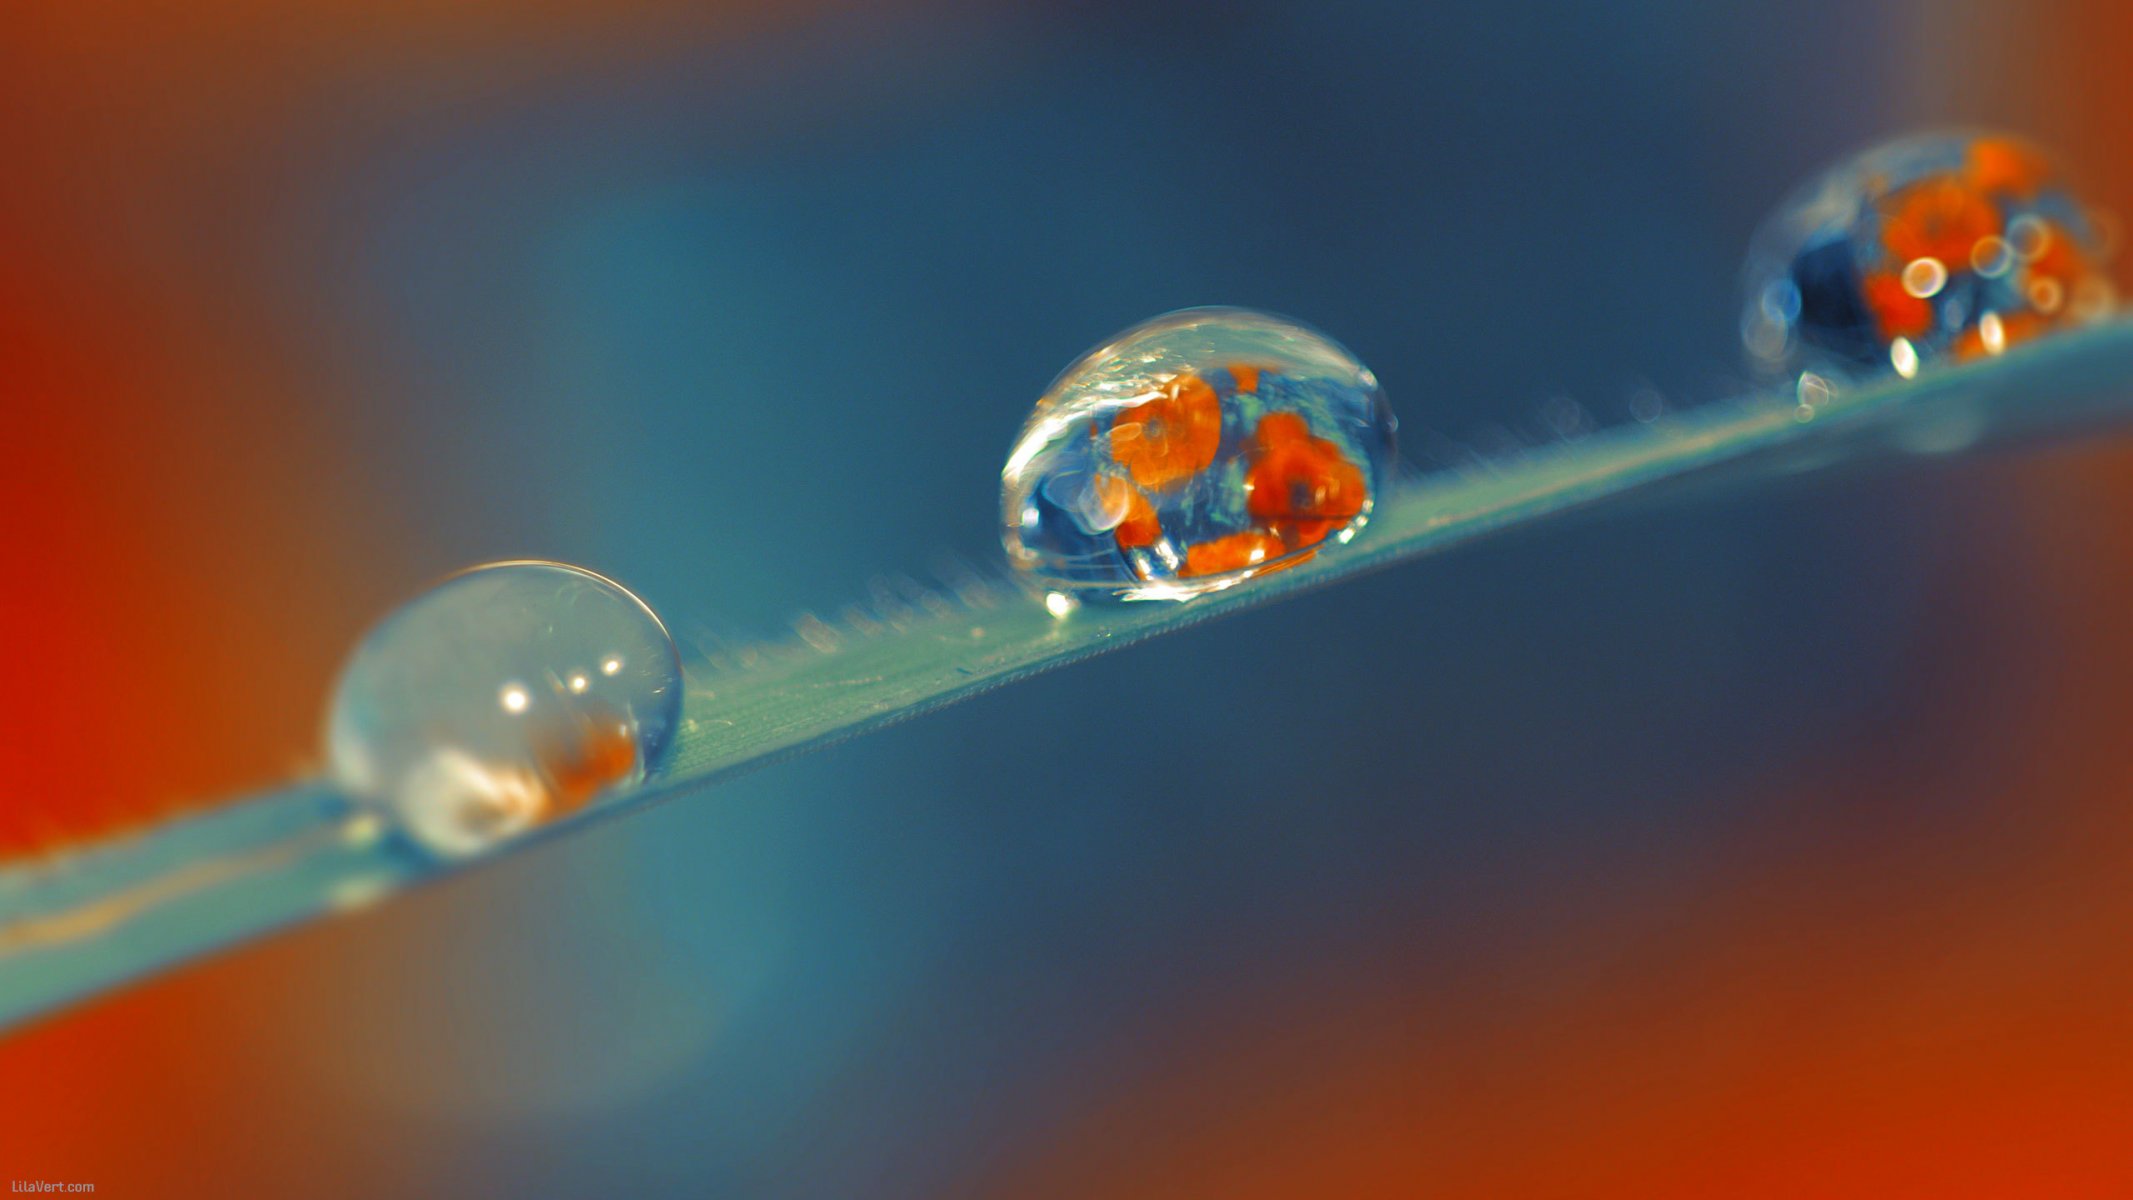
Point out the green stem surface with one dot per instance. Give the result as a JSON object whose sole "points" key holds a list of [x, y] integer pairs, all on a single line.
{"points": [[94, 918]]}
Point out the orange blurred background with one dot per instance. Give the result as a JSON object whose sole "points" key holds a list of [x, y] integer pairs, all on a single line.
{"points": [[1937, 1007]]}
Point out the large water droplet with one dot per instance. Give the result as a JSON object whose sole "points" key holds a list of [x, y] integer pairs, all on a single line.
{"points": [[1945, 247], [1193, 452], [505, 697]]}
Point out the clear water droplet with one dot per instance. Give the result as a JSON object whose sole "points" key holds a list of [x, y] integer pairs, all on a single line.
{"points": [[1191, 453], [1940, 248], [505, 697]]}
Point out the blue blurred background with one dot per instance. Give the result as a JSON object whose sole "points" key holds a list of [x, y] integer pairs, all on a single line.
{"points": [[1675, 853]]}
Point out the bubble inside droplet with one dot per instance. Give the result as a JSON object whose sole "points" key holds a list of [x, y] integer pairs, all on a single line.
{"points": [[502, 699], [1938, 248], [1191, 453]]}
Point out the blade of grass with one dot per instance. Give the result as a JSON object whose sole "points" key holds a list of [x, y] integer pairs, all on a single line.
{"points": [[90, 920]]}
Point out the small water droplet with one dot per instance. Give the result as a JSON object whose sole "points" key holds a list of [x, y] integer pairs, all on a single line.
{"points": [[1191, 453], [1943, 247], [473, 713], [1813, 391]]}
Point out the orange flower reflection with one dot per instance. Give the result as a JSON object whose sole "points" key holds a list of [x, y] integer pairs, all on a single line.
{"points": [[1171, 437], [1300, 485]]}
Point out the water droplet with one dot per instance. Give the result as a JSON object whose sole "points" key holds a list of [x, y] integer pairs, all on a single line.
{"points": [[505, 697], [1944, 247], [1191, 453]]}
